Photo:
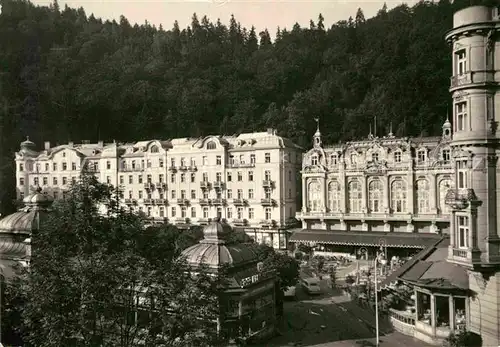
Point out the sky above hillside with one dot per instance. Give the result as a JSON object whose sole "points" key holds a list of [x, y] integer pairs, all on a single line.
{"points": [[260, 13]]}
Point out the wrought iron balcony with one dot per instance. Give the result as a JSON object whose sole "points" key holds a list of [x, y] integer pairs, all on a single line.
{"points": [[205, 185], [241, 165], [131, 168], [240, 202], [161, 185], [219, 202], [183, 168], [161, 202], [172, 168], [268, 184], [268, 202], [193, 168], [218, 185], [148, 201], [205, 202], [182, 201], [149, 186]]}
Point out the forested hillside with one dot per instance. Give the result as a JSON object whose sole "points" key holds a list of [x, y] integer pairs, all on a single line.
{"points": [[65, 75]]}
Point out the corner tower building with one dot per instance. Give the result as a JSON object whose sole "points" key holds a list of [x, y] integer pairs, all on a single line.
{"points": [[475, 199]]}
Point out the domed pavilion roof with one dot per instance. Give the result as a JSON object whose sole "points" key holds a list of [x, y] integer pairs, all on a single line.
{"points": [[215, 251], [25, 220]]}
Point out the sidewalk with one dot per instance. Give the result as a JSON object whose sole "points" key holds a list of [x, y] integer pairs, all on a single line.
{"points": [[391, 340]]}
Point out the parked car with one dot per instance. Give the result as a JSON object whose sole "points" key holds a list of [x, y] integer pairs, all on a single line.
{"points": [[311, 285], [290, 292]]}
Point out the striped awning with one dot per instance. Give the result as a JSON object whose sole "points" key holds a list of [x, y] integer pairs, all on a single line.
{"points": [[362, 238]]}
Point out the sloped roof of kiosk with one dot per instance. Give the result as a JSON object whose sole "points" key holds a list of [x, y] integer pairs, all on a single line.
{"points": [[429, 268], [215, 251], [24, 221]]}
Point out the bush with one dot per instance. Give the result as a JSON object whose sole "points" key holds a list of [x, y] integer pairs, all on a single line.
{"points": [[464, 339]]}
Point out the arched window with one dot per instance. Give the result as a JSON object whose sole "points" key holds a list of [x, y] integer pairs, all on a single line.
{"points": [[334, 196], [211, 145], [154, 149], [314, 195], [355, 196], [375, 192], [444, 185], [398, 196], [422, 196]]}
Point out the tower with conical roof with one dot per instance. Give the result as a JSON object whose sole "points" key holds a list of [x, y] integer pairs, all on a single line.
{"points": [[24, 162]]}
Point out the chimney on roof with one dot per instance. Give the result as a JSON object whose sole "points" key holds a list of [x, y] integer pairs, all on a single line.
{"points": [[70, 143], [270, 131], [100, 144], [47, 145]]}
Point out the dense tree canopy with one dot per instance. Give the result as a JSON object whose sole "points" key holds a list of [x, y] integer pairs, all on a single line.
{"points": [[89, 270], [69, 76]]}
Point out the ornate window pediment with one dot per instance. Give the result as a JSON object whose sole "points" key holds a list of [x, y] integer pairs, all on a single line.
{"points": [[459, 153]]}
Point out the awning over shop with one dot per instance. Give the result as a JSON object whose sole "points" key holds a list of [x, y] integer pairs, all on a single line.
{"points": [[364, 238]]}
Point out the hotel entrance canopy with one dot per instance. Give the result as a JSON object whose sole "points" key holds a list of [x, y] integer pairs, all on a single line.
{"points": [[363, 238]]}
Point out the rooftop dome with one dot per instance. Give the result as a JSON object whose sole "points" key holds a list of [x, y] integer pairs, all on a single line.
{"points": [[28, 144], [214, 250], [26, 219]]}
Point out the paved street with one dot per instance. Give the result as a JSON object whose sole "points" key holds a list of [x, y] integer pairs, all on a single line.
{"points": [[322, 320]]}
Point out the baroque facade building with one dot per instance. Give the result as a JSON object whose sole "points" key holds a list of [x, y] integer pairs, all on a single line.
{"points": [[248, 180]]}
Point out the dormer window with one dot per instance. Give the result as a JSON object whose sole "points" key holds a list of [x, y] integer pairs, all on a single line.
{"points": [[375, 157], [314, 160], [154, 149], [397, 157], [211, 145], [334, 159], [421, 156], [446, 156]]}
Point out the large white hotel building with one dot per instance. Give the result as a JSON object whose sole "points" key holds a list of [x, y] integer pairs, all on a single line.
{"points": [[249, 179]]}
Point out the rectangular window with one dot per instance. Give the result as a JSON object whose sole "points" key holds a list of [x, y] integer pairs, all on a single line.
{"points": [[46, 167], [172, 162], [250, 194], [149, 178], [172, 178], [172, 211], [240, 177], [139, 179], [229, 177], [205, 161], [21, 167], [193, 212], [148, 163], [229, 194], [239, 212], [45, 181], [461, 61], [205, 212], [35, 181], [183, 194], [54, 166], [252, 158], [54, 181], [183, 211], [267, 213], [267, 175], [462, 174], [193, 194], [218, 177], [267, 158], [108, 179], [240, 194], [420, 156], [162, 211], [161, 163], [183, 177], [463, 232], [121, 179], [172, 194], [461, 116], [73, 166], [193, 177], [218, 160], [108, 165], [250, 176], [130, 179], [446, 156], [205, 177], [333, 159], [251, 214], [64, 166], [289, 175], [229, 213], [64, 181], [183, 161], [21, 181], [140, 194]]}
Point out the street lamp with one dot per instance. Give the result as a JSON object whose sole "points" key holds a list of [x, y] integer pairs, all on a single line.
{"points": [[382, 259]]}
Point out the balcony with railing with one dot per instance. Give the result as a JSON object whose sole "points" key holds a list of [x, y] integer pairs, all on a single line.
{"points": [[205, 185], [172, 168], [268, 184], [161, 185], [149, 201], [218, 185], [268, 202], [149, 186], [460, 80], [182, 201], [129, 201], [376, 216], [236, 165], [240, 202], [183, 168], [192, 168], [126, 168], [205, 202], [161, 201], [219, 202]]}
